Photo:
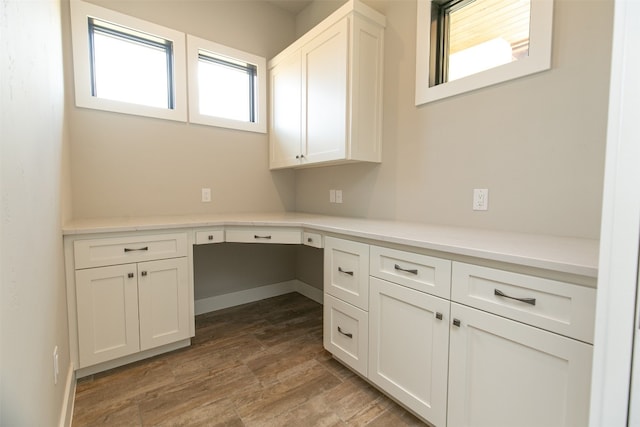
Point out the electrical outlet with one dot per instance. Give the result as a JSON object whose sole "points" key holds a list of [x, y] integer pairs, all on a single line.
{"points": [[332, 196], [206, 195], [480, 199], [56, 366], [338, 196]]}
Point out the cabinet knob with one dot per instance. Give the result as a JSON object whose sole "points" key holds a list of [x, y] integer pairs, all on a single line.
{"points": [[210, 237], [456, 322], [439, 316], [144, 273], [130, 275]]}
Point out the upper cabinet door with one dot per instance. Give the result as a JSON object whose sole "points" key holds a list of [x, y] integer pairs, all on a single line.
{"points": [[325, 71], [285, 136]]}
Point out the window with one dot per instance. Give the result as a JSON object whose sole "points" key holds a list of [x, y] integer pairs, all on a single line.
{"points": [[464, 45], [130, 66], [227, 87], [127, 65]]}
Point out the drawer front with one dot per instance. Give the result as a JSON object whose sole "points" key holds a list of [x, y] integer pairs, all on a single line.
{"points": [[559, 307], [214, 235], [346, 271], [312, 239], [346, 333], [123, 250], [420, 272], [264, 235]]}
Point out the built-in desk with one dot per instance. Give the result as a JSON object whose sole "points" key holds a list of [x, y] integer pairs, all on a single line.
{"points": [[130, 281]]}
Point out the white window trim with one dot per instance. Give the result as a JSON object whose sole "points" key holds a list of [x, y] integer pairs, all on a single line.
{"points": [[80, 12], [194, 45], [539, 59]]}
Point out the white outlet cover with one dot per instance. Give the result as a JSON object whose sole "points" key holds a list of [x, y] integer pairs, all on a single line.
{"points": [[338, 196], [480, 199], [206, 194], [332, 196]]}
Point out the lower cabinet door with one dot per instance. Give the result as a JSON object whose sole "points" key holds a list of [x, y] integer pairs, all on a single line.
{"points": [[163, 293], [345, 333], [507, 374], [408, 347], [107, 307]]}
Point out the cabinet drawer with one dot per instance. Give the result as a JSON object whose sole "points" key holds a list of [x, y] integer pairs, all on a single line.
{"points": [[420, 272], [122, 250], [312, 239], [346, 271], [214, 235], [264, 235], [548, 304], [346, 333]]}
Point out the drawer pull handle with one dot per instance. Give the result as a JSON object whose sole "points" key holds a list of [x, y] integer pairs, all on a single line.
{"points": [[210, 236], [309, 240], [397, 267], [350, 273], [439, 316], [255, 236], [130, 275], [146, 248], [144, 273], [346, 334], [456, 322], [531, 301]]}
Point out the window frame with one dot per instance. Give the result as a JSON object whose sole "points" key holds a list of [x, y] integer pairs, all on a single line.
{"points": [[81, 12], [194, 46], [539, 58]]}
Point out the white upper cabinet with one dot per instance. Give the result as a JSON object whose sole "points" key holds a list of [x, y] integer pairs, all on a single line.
{"points": [[326, 92]]}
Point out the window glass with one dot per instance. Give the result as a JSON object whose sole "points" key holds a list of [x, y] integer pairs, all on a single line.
{"points": [[483, 34], [130, 66], [227, 88]]}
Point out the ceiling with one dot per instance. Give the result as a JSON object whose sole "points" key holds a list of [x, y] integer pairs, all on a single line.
{"points": [[293, 6]]}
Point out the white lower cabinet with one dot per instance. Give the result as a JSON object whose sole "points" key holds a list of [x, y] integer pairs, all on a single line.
{"points": [[504, 373], [505, 350], [124, 309], [409, 347]]}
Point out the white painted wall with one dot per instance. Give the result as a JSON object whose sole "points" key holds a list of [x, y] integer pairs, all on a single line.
{"points": [[537, 143], [34, 191]]}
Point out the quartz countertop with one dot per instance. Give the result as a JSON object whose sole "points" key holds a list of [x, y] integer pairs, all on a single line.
{"points": [[562, 254]]}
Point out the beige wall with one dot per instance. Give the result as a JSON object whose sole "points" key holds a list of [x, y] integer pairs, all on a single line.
{"points": [[124, 165], [537, 143], [34, 192]]}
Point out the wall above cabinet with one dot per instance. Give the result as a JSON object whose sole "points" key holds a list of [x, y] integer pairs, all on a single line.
{"points": [[326, 92]]}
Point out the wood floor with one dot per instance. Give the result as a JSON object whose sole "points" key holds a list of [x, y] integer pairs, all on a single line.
{"points": [[260, 364]]}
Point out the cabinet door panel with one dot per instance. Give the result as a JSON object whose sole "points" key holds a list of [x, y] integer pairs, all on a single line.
{"points": [[324, 68], [285, 135], [408, 347], [503, 374], [164, 302], [107, 306]]}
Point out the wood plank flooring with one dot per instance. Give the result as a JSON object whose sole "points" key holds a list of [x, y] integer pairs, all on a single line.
{"points": [[259, 364]]}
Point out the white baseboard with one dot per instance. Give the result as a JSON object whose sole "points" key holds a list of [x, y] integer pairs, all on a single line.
{"points": [[66, 413], [233, 299]]}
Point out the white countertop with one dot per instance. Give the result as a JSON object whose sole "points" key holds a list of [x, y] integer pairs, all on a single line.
{"points": [[562, 254]]}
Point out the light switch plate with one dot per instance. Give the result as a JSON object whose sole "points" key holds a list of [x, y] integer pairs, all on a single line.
{"points": [[206, 195]]}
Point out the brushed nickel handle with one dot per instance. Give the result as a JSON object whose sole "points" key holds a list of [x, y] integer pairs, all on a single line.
{"points": [[350, 273], [146, 248], [456, 322], [499, 293], [255, 236], [144, 273], [412, 271], [439, 316], [210, 236], [309, 240], [130, 275], [346, 334]]}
